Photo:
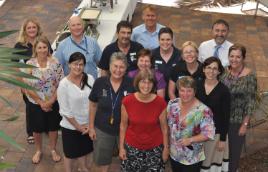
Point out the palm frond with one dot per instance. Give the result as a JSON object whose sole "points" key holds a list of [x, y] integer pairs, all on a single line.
{"points": [[20, 74], [6, 33], [8, 63], [10, 141], [15, 82]]}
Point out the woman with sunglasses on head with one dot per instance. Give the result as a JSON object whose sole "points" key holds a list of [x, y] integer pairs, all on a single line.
{"points": [[242, 84], [30, 30], [189, 66]]}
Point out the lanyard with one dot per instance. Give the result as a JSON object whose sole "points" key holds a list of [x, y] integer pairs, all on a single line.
{"points": [[112, 99], [82, 48]]}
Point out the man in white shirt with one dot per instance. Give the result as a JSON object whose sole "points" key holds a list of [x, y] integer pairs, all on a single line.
{"points": [[218, 46], [147, 33]]}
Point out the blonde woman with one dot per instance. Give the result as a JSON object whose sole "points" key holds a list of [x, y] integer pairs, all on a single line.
{"points": [[29, 32], [43, 107]]}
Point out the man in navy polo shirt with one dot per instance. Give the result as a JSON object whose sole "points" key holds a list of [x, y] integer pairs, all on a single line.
{"points": [[122, 44]]}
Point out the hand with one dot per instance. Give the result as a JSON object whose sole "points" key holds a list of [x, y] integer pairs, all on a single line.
{"points": [[122, 154], [242, 130], [92, 133], [84, 129], [44, 106], [221, 146], [185, 141], [165, 154]]}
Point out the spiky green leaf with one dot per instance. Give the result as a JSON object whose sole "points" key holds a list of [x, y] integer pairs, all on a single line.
{"points": [[4, 165], [5, 63], [6, 33], [16, 82], [20, 74], [6, 101], [10, 141]]}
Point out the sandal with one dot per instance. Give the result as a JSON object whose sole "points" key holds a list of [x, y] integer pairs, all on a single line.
{"points": [[30, 140], [55, 156], [37, 157]]}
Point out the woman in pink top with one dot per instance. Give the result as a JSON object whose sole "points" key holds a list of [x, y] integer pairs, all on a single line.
{"points": [[143, 142]]}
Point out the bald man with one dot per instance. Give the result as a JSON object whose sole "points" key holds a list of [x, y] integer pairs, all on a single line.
{"points": [[79, 42]]}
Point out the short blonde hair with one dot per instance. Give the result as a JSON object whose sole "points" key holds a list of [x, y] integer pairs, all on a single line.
{"points": [[186, 82], [189, 43], [150, 8], [22, 34]]}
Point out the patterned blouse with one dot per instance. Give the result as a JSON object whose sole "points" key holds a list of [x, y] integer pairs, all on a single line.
{"points": [[243, 95], [49, 78], [198, 120]]}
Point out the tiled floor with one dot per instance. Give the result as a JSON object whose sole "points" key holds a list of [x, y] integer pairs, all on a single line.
{"points": [[186, 24]]}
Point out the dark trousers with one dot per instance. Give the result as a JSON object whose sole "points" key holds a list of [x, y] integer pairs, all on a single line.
{"points": [[28, 127], [236, 144], [178, 167]]}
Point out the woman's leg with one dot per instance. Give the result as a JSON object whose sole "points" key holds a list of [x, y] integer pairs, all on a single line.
{"points": [[53, 136], [68, 164], [38, 144], [236, 143], [83, 164]]}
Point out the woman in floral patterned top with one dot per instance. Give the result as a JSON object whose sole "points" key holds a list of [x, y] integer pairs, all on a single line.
{"points": [[44, 109], [242, 85], [190, 123]]}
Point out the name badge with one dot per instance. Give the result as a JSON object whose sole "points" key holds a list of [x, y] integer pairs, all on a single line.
{"points": [[104, 93], [125, 93], [132, 58], [132, 54], [158, 62]]}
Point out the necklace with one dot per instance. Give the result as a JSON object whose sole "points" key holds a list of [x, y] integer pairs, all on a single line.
{"points": [[238, 74]]}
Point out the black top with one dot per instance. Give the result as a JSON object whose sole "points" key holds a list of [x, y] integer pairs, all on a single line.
{"points": [[28, 50], [218, 100], [164, 67], [181, 70], [113, 47], [101, 94]]}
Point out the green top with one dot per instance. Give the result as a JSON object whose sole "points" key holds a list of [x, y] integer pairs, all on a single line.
{"points": [[243, 95]]}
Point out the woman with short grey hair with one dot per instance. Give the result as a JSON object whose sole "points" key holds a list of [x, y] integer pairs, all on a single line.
{"points": [[105, 106]]}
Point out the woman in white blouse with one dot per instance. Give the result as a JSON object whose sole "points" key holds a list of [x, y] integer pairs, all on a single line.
{"points": [[73, 94]]}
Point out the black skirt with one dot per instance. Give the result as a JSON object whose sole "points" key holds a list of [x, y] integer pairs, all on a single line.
{"points": [[75, 144], [41, 121]]}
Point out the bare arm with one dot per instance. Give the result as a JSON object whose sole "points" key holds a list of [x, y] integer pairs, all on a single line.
{"points": [[123, 129], [171, 89], [92, 114], [82, 128], [164, 128], [161, 93]]}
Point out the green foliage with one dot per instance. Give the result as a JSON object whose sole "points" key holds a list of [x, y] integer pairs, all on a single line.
{"points": [[10, 73]]}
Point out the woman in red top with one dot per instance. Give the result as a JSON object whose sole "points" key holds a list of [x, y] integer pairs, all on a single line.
{"points": [[143, 129]]}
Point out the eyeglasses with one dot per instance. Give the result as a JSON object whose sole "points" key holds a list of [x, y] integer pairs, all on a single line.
{"points": [[79, 65], [212, 68], [189, 52]]}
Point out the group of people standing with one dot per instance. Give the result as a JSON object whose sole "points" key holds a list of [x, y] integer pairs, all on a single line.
{"points": [[152, 102]]}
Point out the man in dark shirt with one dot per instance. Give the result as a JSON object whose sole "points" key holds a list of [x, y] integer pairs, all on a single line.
{"points": [[123, 44]]}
